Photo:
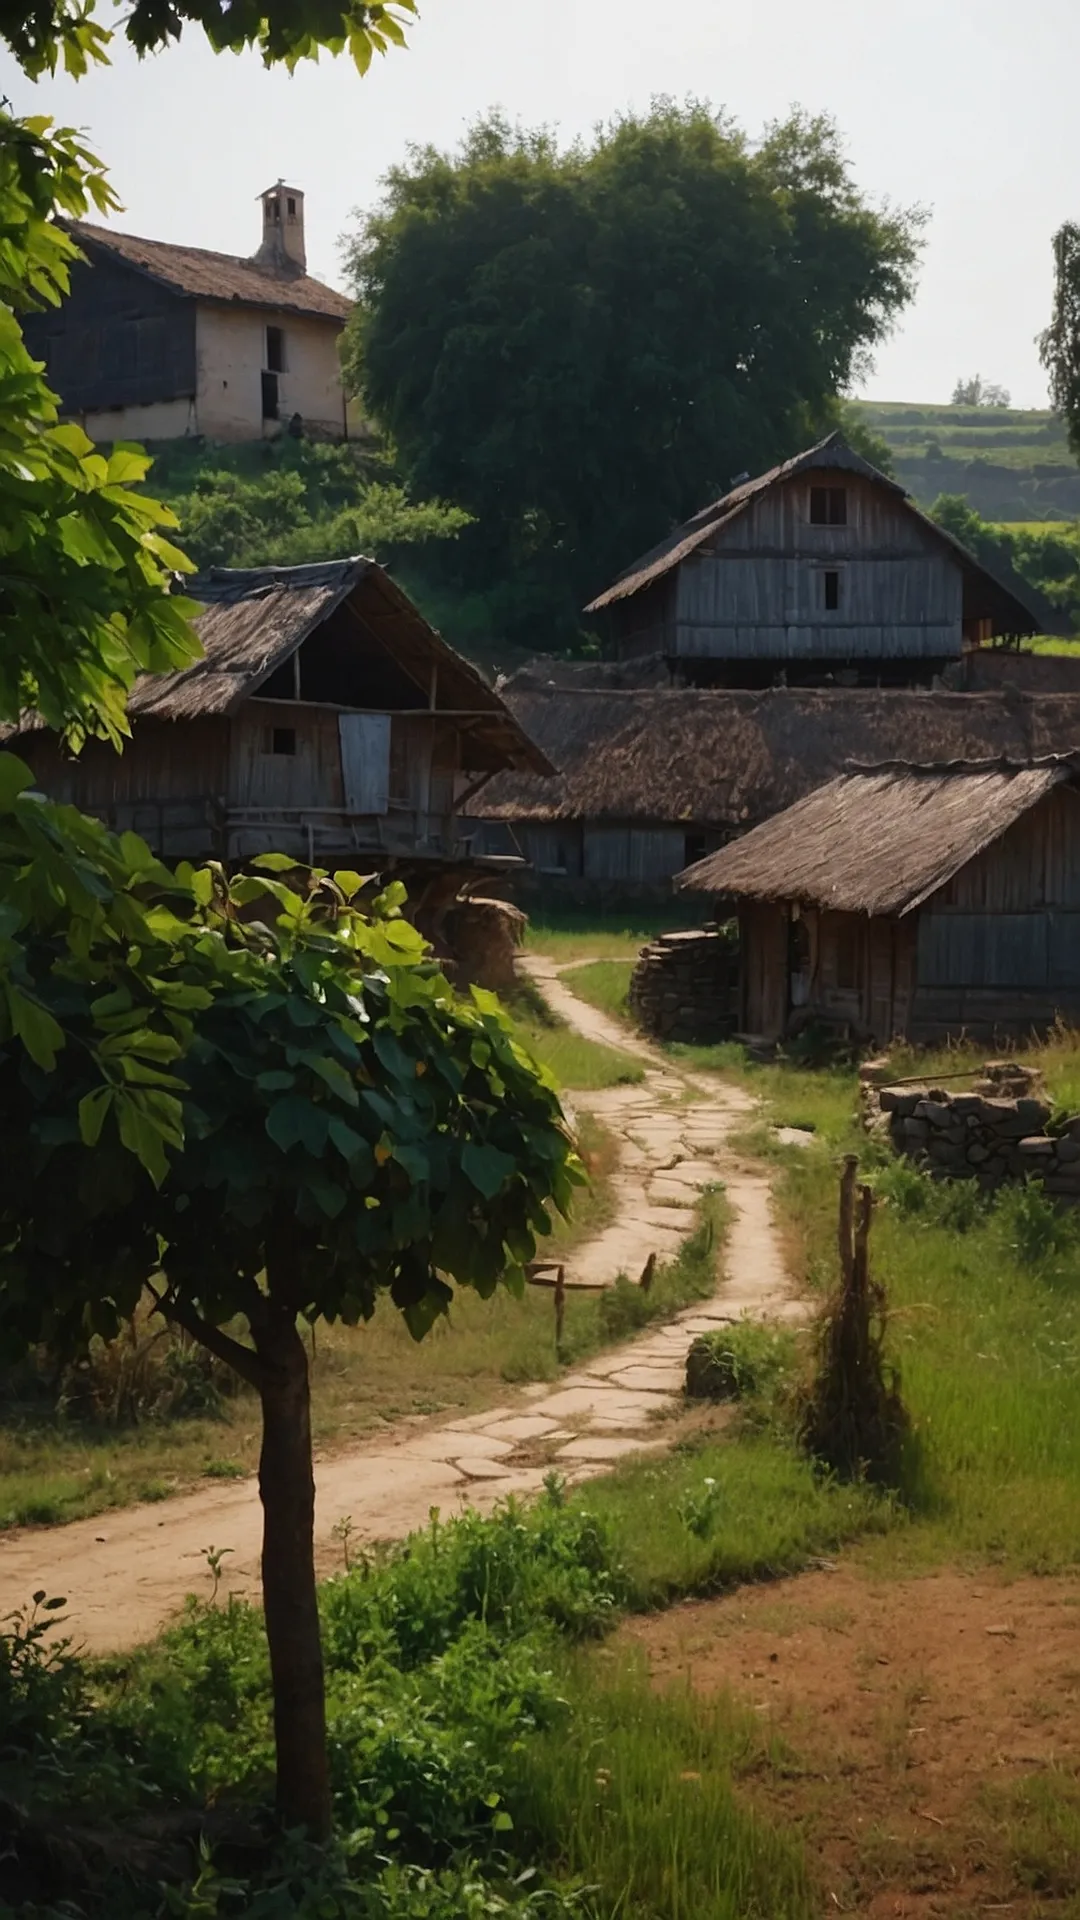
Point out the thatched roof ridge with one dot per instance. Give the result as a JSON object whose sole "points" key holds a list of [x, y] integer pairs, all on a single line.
{"points": [[1028, 611], [879, 842], [201, 274], [255, 618], [727, 759]]}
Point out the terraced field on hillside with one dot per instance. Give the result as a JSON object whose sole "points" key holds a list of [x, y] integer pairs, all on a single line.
{"points": [[1012, 465]]}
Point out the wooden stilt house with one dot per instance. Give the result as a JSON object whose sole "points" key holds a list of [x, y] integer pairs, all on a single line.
{"points": [[326, 719]]}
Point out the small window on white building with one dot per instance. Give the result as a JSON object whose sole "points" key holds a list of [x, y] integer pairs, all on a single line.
{"points": [[275, 349]]}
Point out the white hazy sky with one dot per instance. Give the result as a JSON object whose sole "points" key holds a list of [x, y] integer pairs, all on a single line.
{"points": [[965, 106]]}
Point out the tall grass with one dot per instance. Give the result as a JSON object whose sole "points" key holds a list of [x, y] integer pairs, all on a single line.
{"points": [[985, 1326], [643, 1804]]}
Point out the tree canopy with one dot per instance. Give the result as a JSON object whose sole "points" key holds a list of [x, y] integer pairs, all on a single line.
{"points": [[43, 34], [1059, 346], [583, 346]]}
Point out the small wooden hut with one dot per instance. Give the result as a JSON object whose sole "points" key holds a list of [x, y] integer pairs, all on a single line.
{"points": [[913, 901], [326, 719]]}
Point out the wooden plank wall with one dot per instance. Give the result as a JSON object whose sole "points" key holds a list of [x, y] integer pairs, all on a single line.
{"points": [[632, 853], [164, 760], [310, 777], [760, 594], [117, 340]]}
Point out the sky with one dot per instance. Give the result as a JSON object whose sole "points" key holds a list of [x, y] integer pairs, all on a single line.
{"points": [[965, 107]]}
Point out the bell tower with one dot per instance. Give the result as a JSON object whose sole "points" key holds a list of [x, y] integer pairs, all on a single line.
{"points": [[283, 227]]}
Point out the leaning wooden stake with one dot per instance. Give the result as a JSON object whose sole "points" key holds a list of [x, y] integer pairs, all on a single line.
{"points": [[854, 1420]]}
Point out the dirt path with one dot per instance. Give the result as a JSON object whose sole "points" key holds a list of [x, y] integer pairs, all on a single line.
{"points": [[125, 1573], [912, 1728]]}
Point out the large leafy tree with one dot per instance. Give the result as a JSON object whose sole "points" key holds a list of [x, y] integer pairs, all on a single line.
{"points": [[1059, 346], [259, 1102], [583, 346]]}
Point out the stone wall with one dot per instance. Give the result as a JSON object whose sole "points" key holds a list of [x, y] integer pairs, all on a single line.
{"points": [[994, 1132], [685, 986]]}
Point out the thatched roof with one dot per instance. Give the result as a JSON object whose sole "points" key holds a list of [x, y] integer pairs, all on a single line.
{"points": [[879, 842], [725, 760], [203, 275], [1016, 607], [256, 618]]}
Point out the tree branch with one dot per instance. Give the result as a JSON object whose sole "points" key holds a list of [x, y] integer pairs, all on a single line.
{"points": [[243, 1360]]}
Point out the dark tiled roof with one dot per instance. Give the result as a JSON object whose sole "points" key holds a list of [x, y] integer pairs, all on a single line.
{"points": [[217, 276]]}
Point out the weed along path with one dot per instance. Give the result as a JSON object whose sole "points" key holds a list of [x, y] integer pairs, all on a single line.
{"points": [[124, 1573]]}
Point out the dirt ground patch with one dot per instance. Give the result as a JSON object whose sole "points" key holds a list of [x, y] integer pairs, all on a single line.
{"points": [[923, 1733]]}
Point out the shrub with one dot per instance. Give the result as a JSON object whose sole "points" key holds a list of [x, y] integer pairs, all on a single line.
{"points": [[736, 1361]]}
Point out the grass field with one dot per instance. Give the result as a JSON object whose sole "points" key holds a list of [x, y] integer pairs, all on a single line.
{"points": [[576, 936]]}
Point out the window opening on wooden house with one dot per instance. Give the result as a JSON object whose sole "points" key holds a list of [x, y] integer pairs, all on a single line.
{"points": [[828, 506], [275, 349], [292, 207], [279, 740], [847, 957], [270, 396], [831, 589]]}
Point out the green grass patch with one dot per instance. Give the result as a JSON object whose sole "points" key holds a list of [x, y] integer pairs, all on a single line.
{"points": [[604, 984], [643, 1804], [592, 936], [713, 1515], [576, 1062]]}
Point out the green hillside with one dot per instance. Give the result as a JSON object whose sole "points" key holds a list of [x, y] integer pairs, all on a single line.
{"points": [[1009, 464]]}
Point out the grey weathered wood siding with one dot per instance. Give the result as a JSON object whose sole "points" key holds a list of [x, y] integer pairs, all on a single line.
{"points": [[117, 340], [632, 853], [759, 592], [1000, 945]]}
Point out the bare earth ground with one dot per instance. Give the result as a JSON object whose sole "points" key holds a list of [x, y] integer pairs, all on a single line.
{"points": [[126, 1572], [910, 1713]]}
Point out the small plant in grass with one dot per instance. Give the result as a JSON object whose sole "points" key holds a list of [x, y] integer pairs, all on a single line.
{"points": [[1032, 1226], [853, 1420], [737, 1361], [699, 1509]]}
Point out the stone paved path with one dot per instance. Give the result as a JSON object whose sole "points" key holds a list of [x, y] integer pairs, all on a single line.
{"points": [[124, 1573]]}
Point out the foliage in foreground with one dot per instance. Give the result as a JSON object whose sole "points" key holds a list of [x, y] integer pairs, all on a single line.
{"points": [[461, 1737]]}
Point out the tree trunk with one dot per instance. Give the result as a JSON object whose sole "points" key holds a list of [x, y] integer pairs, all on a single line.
{"points": [[287, 1491]]}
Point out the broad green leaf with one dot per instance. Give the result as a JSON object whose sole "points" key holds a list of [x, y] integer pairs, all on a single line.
{"points": [[333, 1073], [295, 1121], [15, 777], [141, 1134], [40, 1033], [486, 1167], [276, 862], [93, 1108]]}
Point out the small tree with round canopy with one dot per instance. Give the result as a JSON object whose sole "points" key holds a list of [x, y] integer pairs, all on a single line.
{"points": [[351, 1130]]}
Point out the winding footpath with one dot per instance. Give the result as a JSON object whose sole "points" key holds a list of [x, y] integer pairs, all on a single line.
{"points": [[126, 1572]]}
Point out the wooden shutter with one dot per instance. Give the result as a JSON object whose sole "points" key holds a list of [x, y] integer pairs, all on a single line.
{"points": [[365, 761]]}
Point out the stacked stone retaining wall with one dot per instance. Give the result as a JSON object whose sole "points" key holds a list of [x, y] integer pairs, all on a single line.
{"points": [[979, 1134], [685, 986]]}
